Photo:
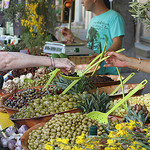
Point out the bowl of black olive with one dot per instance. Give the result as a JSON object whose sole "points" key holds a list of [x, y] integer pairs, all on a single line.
{"points": [[105, 80], [14, 101]]}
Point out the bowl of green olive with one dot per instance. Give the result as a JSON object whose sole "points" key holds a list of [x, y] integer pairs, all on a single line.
{"points": [[65, 126], [29, 122], [41, 110]]}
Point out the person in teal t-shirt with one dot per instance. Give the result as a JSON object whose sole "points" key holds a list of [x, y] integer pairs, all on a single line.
{"points": [[106, 24]]}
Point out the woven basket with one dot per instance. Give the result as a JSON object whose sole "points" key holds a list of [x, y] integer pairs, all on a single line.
{"points": [[80, 59]]}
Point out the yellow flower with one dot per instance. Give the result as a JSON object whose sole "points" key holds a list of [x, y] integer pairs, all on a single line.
{"points": [[107, 148], [143, 149], [111, 148], [146, 130], [62, 146], [65, 141], [48, 147], [59, 140], [111, 134], [131, 125], [67, 147], [31, 30], [90, 146], [76, 148], [133, 148], [119, 126], [110, 142], [148, 134], [135, 143], [52, 142], [80, 139]]}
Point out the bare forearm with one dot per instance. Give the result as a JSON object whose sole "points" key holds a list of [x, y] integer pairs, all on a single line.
{"points": [[20, 60], [135, 63], [114, 47], [117, 44], [14, 60]]}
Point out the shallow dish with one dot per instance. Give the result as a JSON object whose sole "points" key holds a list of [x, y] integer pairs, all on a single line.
{"points": [[115, 78], [111, 88], [33, 121], [24, 139], [9, 110]]}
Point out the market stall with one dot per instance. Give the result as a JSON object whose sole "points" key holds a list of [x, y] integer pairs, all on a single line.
{"points": [[45, 109], [51, 115]]}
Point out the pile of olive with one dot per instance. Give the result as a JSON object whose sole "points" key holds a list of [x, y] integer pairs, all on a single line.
{"points": [[42, 81], [96, 79], [62, 126], [23, 98], [47, 105]]}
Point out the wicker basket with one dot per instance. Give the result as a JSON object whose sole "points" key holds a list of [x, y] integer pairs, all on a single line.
{"points": [[80, 59]]}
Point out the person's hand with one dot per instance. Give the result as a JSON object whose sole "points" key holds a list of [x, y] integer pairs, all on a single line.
{"points": [[68, 35], [64, 64], [116, 60]]}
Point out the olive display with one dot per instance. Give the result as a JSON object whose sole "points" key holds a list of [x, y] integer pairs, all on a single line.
{"points": [[47, 105], [96, 79], [24, 97], [40, 82], [67, 126]]}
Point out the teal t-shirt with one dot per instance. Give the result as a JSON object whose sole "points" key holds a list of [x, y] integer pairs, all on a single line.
{"points": [[109, 24]]}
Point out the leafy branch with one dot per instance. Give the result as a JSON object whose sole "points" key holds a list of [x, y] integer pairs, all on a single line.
{"points": [[140, 11]]}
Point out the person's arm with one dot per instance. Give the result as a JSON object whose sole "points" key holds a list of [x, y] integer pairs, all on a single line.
{"points": [[68, 35], [121, 60], [14, 60], [117, 44]]}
